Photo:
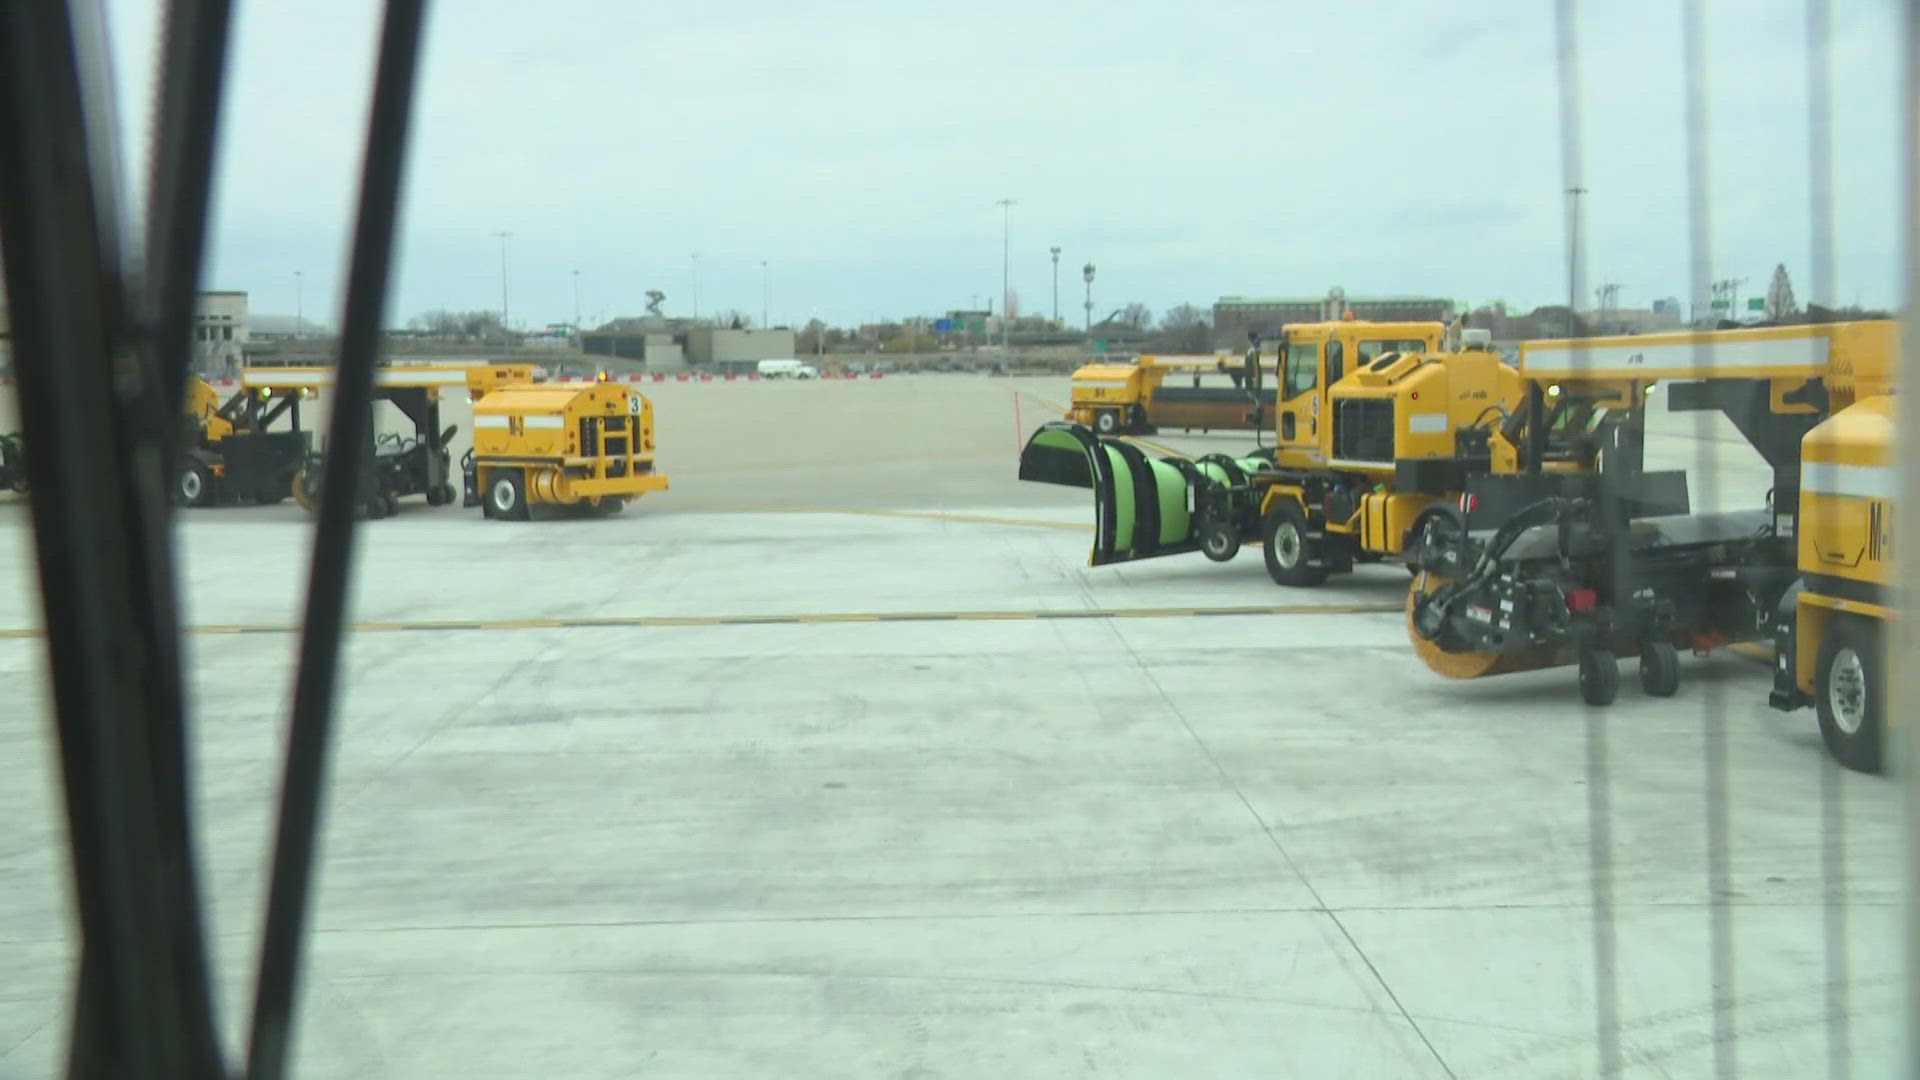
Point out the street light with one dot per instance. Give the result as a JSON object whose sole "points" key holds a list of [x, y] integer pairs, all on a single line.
{"points": [[1056, 285], [1006, 290], [1574, 239], [1086, 274], [576, 303], [504, 237]]}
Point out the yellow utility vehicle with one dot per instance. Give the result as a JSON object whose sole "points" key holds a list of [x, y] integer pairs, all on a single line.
{"points": [[1542, 570], [1156, 393], [1373, 425], [230, 455], [1831, 633], [405, 463], [564, 445]]}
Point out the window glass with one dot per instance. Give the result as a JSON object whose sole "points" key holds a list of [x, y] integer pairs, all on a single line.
{"points": [[1373, 350], [1302, 369]]}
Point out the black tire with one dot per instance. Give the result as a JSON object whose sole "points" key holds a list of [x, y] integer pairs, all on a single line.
{"points": [[1219, 540], [1106, 422], [193, 485], [609, 505], [1659, 669], [446, 495], [1136, 419], [434, 497], [506, 495], [1599, 676], [1291, 555], [1849, 693]]}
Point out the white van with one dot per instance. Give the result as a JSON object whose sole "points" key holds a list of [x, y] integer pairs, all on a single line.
{"points": [[787, 369]]}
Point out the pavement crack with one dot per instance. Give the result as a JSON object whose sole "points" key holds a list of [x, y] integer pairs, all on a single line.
{"points": [[1274, 839]]}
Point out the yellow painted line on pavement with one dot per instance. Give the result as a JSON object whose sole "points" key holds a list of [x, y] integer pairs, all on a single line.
{"points": [[805, 618]]}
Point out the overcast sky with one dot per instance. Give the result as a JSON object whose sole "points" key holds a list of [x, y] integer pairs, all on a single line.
{"points": [[1189, 150]]}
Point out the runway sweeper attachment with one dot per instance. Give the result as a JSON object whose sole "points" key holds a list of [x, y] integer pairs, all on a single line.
{"points": [[1537, 569]]}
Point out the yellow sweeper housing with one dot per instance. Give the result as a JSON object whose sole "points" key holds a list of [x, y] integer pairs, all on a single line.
{"points": [[587, 446]]}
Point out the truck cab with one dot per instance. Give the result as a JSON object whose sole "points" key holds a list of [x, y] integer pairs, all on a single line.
{"points": [[1313, 357]]}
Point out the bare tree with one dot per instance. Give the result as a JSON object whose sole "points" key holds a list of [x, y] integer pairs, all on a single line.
{"points": [[459, 325], [1780, 301], [1136, 316], [1185, 328]]}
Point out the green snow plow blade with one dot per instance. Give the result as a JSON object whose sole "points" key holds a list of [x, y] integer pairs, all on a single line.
{"points": [[1145, 507]]}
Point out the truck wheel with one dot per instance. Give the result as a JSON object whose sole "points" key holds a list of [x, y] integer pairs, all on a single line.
{"points": [[507, 495], [305, 489], [608, 505], [1106, 422], [1849, 685], [434, 496], [1659, 669], [1290, 551], [1219, 540], [194, 484], [446, 495], [1599, 676]]}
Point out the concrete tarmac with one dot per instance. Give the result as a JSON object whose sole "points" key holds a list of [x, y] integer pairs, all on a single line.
{"points": [[828, 763]]}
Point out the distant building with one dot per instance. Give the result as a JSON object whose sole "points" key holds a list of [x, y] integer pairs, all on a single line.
{"points": [[1234, 316], [737, 351], [654, 340], [220, 332], [663, 343]]}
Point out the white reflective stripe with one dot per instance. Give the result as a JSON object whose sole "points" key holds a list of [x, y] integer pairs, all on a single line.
{"points": [[490, 421], [1430, 423], [1851, 481], [276, 378], [1628, 359], [551, 422], [403, 377]]}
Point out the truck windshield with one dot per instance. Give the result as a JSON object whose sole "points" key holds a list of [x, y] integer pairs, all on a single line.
{"points": [[1372, 350]]}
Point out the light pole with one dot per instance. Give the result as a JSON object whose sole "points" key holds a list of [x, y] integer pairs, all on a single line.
{"points": [[1573, 254], [576, 303], [504, 237], [1056, 285], [766, 290], [299, 305], [694, 259], [1086, 274], [1006, 290]]}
